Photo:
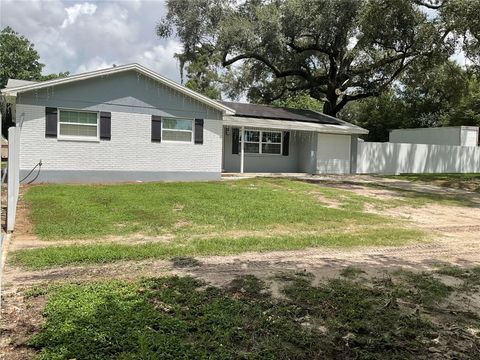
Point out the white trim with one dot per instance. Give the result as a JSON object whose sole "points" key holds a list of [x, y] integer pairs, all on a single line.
{"points": [[261, 143], [113, 70], [78, 138], [179, 130], [242, 150], [258, 123]]}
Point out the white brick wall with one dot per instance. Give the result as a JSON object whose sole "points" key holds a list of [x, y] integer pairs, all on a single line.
{"points": [[130, 148]]}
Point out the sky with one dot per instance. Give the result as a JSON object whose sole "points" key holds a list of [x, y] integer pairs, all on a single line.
{"points": [[79, 36]]}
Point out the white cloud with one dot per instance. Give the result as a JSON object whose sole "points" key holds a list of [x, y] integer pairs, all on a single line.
{"points": [[80, 36], [73, 12], [94, 64]]}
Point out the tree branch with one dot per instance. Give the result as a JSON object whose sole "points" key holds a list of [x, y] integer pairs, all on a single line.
{"points": [[347, 98], [278, 73]]}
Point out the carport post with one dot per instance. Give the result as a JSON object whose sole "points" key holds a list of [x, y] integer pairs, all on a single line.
{"points": [[242, 150]]}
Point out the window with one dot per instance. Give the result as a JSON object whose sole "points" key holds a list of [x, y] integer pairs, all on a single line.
{"points": [[262, 142], [177, 130], [77, 125]]}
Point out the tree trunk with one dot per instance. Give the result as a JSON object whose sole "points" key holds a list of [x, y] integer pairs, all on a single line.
{"points": [[330, 106]]}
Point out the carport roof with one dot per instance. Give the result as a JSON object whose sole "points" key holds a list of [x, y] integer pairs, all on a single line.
{"points": [[264, 116], [342, 128]]}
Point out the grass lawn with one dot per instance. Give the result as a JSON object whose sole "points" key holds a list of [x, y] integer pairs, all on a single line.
{"points": [[183, 318], [468, 181], [60, 212], [104, 253], [211, 218]]}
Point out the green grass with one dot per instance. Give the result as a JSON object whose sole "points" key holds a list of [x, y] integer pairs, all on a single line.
{"points": [[60, 212], [111, 252], [424, 288], [214, 218], [469, 276], [172, 318]]}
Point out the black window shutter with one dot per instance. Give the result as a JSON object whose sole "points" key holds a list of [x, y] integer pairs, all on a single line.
{"points": [[198, 131], [51, 122], [286, 141], [105, 125], [156, 128], [235, 140]]}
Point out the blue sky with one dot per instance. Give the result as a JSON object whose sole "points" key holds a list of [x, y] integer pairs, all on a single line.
{"points": [[80, 36]]}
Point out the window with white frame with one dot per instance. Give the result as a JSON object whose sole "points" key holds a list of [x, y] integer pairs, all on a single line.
{"points": [[262, 142], [177, 130], [77, 124]]}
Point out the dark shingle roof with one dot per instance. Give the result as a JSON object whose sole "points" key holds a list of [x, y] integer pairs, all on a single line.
{"points": [[278, 113]]}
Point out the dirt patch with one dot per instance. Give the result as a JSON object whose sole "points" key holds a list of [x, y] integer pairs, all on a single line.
{"points": [[441, 218], [21, 318], [21, 241], [375, 193], [330, 203]]}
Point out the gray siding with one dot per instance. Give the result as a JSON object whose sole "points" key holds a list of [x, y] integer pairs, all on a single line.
{"points": [[262, 163], [127, 91]]}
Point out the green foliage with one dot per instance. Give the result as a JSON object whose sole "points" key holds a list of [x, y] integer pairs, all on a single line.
{"points": [[424, 289], [378, 115], [18, 60], [299, 101], [54, 76], [174, 317], [336, 51], [444, 95], [18, 57], [462, 17]]}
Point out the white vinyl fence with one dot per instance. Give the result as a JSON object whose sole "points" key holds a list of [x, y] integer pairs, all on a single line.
{"points": [[394, 158], [13, 175]]}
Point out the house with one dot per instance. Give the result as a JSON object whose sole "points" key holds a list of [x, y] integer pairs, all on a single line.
{"points": [[446, 135], [127, 123]]}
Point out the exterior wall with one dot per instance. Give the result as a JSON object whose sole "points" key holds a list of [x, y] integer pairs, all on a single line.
{"points": [[333, 154], [459, 136], [469, 136], [307, 152], [260, 163], [128, 156], [128, 91], [390, 158]]}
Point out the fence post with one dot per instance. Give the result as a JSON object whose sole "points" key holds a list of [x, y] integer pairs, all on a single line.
{"points": [[13, 175]]}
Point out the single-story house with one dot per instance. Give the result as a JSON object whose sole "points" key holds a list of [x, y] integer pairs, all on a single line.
{"points": [[127, 123]]}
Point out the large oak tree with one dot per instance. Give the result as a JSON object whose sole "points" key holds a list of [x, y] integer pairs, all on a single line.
{"points": [[336, 51]]}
